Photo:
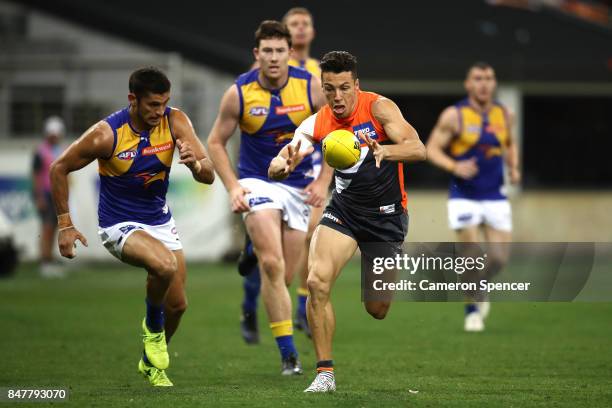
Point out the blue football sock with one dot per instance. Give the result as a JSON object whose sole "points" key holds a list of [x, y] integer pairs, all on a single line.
{"points": [[302, 304], [286, 346], [470, 308], [251, 285], [155, 317]]}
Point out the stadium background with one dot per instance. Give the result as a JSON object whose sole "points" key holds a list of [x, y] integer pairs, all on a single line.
{"points": [[554, 65]]}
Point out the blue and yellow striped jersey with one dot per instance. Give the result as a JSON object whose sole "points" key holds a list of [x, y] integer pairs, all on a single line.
{"points": [[483, 136], [134, 179], [268, 119]]}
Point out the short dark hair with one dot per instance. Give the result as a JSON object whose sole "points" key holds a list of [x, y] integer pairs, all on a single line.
{"points": [[272, 29], [478, 65], [297, 10], [148, 80], [339, 61]]}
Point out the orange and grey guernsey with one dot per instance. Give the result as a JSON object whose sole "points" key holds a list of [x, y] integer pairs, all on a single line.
{"points": [[134, 178], [364, 187]]}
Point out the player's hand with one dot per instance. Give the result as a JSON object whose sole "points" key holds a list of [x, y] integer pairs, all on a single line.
{"points": [[186, 155], [377, 150], [515, 175], [466, 169], [238, 202], [66, 240], [317, 193], [295, 156]]}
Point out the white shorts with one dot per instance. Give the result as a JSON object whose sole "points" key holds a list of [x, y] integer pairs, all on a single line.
{"points": [[114, 237], [290, 200], [464, 213]]}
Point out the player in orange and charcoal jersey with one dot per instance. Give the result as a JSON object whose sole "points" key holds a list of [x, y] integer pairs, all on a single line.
{"points": [[369, 202]]}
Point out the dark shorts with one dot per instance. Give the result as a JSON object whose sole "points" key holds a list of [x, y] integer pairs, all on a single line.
{"points": [[48, 215], [373, 232]]}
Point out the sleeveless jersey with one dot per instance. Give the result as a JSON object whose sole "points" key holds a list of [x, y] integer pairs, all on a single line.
{"points": [[268, 119], [311, 65], [483, 136], [134, 179], [363, 186]]}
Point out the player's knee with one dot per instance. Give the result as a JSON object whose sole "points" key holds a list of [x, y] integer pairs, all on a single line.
{"points": [[317, 287], [379, 310], [165, 266], [177, 308], [272, 265]]}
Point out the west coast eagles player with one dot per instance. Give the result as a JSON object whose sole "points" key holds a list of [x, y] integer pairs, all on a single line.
{"points": [[368, 205], [269, 103], [471, 140], [134, 149], [299, 22]]}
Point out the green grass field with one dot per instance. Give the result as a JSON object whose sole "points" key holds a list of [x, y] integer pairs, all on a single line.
{"points": [[84, 333]]}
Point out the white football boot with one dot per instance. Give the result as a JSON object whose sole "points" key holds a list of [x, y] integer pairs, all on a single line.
{"points": [[323, 382]]}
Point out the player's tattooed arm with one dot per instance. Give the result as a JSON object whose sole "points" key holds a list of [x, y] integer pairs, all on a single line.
{"points": [[191, 150], [446, 128], [408, 147], [511, 152], [96, 143], [223, 128]]}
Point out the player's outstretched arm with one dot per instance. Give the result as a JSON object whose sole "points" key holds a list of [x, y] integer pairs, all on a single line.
{"points": [[441, 135], [191, 150], [408, 147], [223, 128], [293, 153], [96, 142]]}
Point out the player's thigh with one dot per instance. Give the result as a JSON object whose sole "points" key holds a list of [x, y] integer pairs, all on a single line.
{"points": [[143, 250], [294, 250], [498, 245], [468, 234], [264, 228], [176, 298], [315, 216], [330, 250]]}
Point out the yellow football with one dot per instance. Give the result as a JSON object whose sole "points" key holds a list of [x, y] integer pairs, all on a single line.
{"points": [[341, 149]]}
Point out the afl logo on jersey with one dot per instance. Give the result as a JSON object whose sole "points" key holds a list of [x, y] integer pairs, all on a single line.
{"points": [[258, 111], [127, 155]]}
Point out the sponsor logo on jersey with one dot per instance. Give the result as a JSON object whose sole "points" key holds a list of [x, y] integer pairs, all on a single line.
{"points": [[473, 128], [283, 110], [127, 155], [258, 111], [151, 150], [363, 129]]}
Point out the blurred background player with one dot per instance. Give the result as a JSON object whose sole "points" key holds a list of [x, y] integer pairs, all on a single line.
{"points": [[470, 141], [269, 103], [45, 154], [368, 204], [299, 22], [134, 149]]}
